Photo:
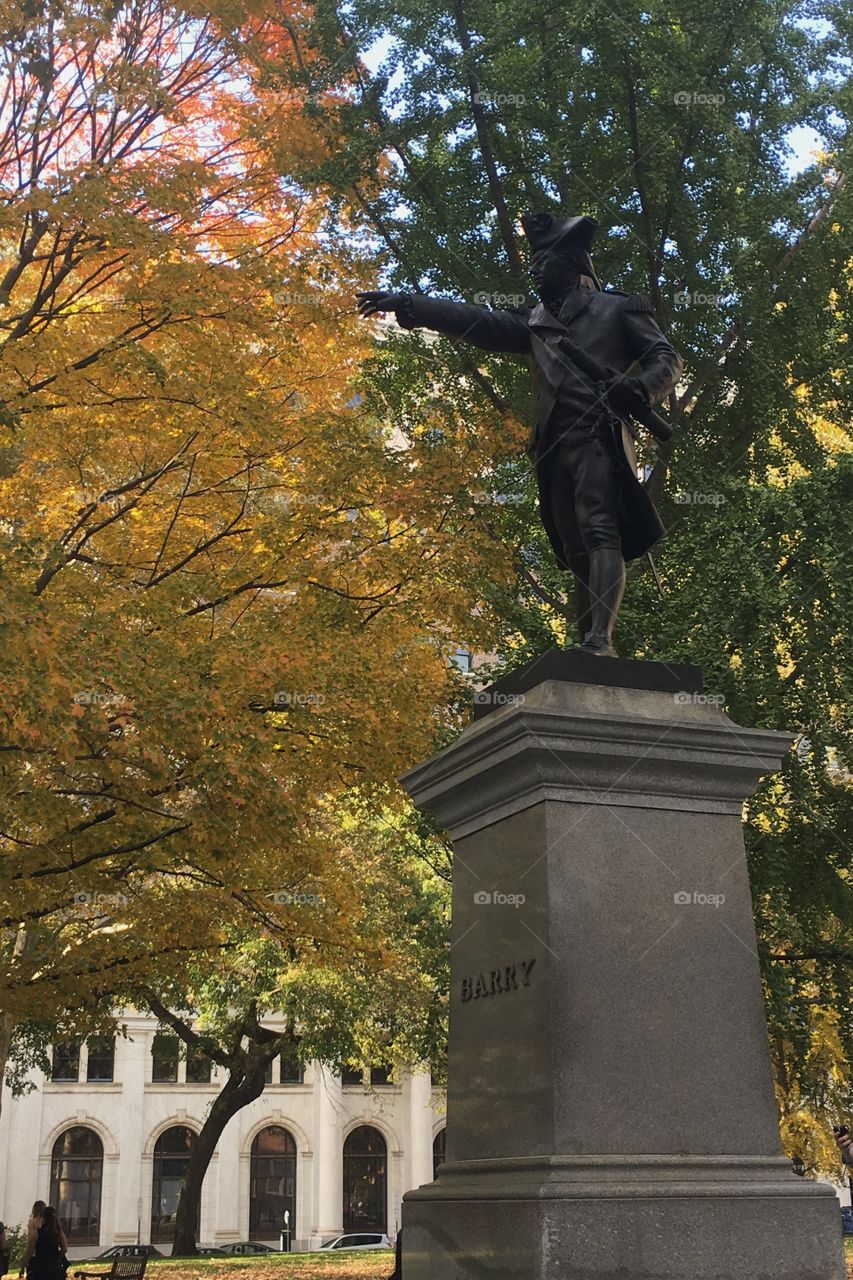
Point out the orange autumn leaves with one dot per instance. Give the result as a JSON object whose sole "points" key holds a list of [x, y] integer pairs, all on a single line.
{"points": [[221, 586]]}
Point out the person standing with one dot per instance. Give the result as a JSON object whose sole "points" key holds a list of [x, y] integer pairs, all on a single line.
{"points": [[46, 1245], [845, 1147]]}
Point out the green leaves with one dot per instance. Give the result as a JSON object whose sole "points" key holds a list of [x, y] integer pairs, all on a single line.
{"points": [[713, 145]]}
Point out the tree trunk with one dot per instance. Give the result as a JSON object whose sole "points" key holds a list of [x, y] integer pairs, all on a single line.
{"points": [[25, 941], [239, 1090], [7, 1028], [485, 143]]}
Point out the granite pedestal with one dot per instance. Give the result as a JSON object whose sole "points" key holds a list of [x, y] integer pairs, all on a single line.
{"points": [[610, 1105]]}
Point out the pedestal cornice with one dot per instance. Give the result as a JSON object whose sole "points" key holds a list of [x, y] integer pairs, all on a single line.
{"points": [[595, 744]]}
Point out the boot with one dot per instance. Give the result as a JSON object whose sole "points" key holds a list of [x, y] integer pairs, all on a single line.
{"points": [[606, 588], [583, 617]]}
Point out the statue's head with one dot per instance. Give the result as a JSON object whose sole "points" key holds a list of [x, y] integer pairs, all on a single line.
{"points": [[560, 253]]}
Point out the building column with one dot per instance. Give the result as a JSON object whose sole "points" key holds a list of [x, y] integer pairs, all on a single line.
{"points": [[327, 1214], [396, 1179], [124, 1218], [417, 1130], [24, 1175]]}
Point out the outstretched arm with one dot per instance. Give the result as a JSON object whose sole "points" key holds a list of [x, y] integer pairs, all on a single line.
{"points": [[493, 330]]}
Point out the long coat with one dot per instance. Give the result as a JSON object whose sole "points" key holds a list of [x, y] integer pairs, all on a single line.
{"points": [[617, 329]]}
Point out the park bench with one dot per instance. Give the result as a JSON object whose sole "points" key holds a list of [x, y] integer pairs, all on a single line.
{"points": [[122, 1269]]}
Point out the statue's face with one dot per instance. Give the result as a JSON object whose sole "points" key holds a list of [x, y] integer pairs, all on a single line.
{"points": [[552, 275]]}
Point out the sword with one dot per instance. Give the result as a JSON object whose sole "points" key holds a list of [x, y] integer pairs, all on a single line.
{"points": [[655, 574], [647, 417]]}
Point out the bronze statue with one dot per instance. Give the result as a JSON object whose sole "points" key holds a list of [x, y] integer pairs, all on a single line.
{"points": [[585, 341]]}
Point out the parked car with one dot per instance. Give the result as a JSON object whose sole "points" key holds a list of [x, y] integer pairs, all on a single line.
{"points": [[244, 1248], [847, 1221], [129, 1251], [209, 1251], [359, 1240]]}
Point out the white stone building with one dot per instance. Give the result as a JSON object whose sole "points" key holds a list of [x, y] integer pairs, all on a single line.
{"points": [[105, 1137]]}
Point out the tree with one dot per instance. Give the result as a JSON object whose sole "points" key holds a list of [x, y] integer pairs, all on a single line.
{"points": [[245, 1049], [223, 580], [383, 1000], [809, 1086], [676, 131]]}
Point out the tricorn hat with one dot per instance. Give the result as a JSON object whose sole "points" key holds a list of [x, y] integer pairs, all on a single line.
{"points": [[570, 236]]}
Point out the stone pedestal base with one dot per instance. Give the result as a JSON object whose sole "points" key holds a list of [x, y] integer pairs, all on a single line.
{"points": [[610, 1106], [655, 1218]]}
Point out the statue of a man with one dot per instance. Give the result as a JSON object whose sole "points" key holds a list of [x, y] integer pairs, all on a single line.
{"points": [[595, 511]]}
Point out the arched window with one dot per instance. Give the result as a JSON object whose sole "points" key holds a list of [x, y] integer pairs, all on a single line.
{"points": [[365, 1180], [272, 1183], [76, 1173], [171, 1156], [439, 1151]]}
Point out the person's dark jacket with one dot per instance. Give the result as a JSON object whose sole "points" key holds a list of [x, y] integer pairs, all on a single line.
{"points": [[619, 330], [48, 1261]]}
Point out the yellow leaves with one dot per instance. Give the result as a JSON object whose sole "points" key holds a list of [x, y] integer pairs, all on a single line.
{"points": [[240, 579], [809, 1106], [834, 437]]}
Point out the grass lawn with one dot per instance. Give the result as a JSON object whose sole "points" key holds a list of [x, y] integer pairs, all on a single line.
{"points": [[298, 1266], [344, 1264]]}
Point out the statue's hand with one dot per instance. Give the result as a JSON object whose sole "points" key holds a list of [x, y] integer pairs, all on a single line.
{"points": [[375, 302], [628, 394]]}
